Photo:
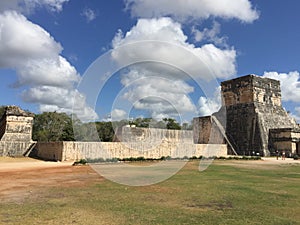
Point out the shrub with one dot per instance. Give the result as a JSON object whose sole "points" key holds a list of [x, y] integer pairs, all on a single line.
{"points": [[222, 158], [296, 157], [194, 157], [140, 158], [168, 157], [80, 162]]}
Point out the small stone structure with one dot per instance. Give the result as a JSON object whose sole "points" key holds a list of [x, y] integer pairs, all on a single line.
{"points": [[285, 139], [251, 108], [206, 131], [15, 132]]}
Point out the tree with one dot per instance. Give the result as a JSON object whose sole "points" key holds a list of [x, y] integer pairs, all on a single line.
{"points": [[2, 110], [171, 124], [52, 126], [187, 126], [105, 131]]}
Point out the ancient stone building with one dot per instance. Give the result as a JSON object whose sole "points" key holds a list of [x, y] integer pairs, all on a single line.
{"points": [[285, 139], [15, 132], [251, 108]]}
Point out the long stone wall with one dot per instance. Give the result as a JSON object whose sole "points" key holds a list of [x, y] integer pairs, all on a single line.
{"points": [[65, 151]]}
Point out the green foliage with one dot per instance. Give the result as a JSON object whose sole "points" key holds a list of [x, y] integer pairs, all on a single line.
{"points": [[52, 126], [186, 126], [105, 131], [142, 122], [240, 158], [2, 110], [166, 123], [80, 162], [296, 157], [172, 124]]}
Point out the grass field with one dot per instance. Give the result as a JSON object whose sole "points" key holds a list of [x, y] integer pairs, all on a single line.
{"points": [[227, 192]]}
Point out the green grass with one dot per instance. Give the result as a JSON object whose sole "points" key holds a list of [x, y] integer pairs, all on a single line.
{"points": [[223, 194]]}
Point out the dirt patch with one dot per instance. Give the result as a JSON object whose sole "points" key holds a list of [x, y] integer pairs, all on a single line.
{"points": [[20, 179]]}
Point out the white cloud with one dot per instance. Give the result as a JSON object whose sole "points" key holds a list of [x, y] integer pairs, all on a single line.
{"points": [[297, 115], [164, 41], [118, 114], [210, 35], [89, 14], [21, 41], [209, 105], [28, 6], [158, 95], [161, 84], [48, 72], [184, 10], [60, 100], [290, 84], [48, 77]]}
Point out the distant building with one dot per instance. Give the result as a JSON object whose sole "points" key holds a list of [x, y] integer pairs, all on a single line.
{"points": [[16, 132], [252, 117]]}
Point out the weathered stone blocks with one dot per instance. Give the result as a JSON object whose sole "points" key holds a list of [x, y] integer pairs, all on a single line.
{"points": [[15, 132], [253, 107]]}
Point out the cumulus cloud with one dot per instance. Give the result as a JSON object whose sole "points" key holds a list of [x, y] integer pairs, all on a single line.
{"points": [[158, 95], [88, 14], [210, 35], [297, 115], [60, 100], [165, 62], [290, 84], [164, 41], [209, 105], [118, 114], [28, 6], [183, 10], [21, 41], [35, 55]]}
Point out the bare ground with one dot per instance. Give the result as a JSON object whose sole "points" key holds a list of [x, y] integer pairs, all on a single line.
{"points": [[22, 178]]}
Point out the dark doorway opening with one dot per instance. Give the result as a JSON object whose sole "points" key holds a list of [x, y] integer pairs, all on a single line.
{"points": [[298, 148]]}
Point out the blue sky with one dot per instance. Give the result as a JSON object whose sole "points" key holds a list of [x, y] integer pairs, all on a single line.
{"points": [[46, 47]]}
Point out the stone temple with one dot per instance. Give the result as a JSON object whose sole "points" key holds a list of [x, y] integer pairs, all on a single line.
{"points": [[251, 119], [15, 132]]}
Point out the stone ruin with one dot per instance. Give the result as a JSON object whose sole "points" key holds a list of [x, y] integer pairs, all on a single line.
{"points": [[251, 120], [16, 132]]}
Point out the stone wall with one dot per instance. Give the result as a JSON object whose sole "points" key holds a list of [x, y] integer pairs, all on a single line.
{"points": [[249, 89], [286, 139], [64, 151], [206, 131], [154, 135], [15, 132], [252, 107]]}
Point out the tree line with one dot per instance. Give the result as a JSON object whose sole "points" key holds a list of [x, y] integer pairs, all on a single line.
{"points": [[54, 126]]}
